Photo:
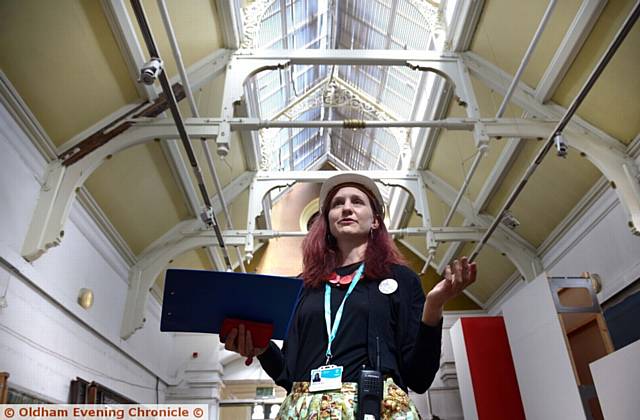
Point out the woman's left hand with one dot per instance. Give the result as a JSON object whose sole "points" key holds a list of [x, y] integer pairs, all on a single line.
{"points": [[457, 277]]}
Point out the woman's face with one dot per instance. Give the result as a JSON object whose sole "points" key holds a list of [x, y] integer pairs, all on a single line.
{"points": [[351, 214]]}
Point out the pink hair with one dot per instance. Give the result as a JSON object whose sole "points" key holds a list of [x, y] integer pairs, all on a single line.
{"points": [[321, 255]]}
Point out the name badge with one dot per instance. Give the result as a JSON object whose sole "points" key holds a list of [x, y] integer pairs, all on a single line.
{"points": [[326, 378], [388, 286]]}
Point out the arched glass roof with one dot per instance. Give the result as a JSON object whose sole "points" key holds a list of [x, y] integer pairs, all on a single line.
{"points": [[395, 93]]}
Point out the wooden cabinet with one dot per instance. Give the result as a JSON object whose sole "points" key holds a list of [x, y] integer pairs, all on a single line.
{"points": [[586, 333], [4, 387], [84, 392], [556, 328]]}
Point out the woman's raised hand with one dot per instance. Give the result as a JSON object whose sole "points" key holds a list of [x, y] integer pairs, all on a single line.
{"points": [[457, 277], [239, 341]]}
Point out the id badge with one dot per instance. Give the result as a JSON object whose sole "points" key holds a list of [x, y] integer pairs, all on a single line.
{"points": [[325, 378]]}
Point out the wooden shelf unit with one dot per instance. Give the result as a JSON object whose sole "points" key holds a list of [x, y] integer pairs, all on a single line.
{"points": [[4, 387], [556, 329], [585, 332]]}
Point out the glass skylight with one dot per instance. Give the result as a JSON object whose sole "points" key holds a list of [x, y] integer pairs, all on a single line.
{"points": [[392, 91]]}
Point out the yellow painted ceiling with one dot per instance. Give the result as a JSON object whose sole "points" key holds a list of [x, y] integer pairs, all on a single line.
{"points": [[491, 266], [516, 22], [136, 189], [494, 268], [238, 210], [66, 64], [195, 25], [489, 102], [553, 190], [227, 169], [209, 98], [455, 150], [558, 184], [431, 278], [196, 259], [612, 104], [438, 211], [64, 61], [159, 201]]}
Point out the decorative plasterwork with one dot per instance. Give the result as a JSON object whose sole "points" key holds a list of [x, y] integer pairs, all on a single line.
{"points": [[268, 143], [432, 14], [331, 93], [251, 19], [337, 93]]}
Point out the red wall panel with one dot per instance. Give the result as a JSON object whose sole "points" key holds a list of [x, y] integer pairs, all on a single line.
{"points": [[493, 376]]}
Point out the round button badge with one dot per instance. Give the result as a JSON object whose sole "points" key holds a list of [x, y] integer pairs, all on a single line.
{"points": [[388, 286]]}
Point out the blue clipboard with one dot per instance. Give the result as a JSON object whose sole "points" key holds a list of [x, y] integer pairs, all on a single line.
{"points": [[198, 300]]}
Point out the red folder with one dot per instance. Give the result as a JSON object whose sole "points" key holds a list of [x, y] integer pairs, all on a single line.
{"points": [[261, 332]]}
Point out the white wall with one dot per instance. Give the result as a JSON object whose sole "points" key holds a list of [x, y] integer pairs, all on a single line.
{"points": [[465, 383], [46, 338], [599, 242], [602, 243], [617, 380]]}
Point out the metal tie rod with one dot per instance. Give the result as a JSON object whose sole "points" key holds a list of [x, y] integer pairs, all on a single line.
{"points": [[483, 149], [593, 77], [525, 59], [164, 14], [175, 112], [360, 124]]}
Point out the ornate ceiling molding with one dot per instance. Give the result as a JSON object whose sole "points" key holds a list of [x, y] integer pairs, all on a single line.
{"points": [[332, 93], [338, 93], [252, 16], [267, 144], [432, 13]]}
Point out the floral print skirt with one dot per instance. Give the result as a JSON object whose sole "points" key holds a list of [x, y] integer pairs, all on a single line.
{"points": [[342, 404]]}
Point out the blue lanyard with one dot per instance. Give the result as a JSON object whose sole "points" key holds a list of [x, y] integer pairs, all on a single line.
{"points": [[331, 331]]}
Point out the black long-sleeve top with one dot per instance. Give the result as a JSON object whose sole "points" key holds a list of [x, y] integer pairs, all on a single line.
{"points": [[409, 350]]}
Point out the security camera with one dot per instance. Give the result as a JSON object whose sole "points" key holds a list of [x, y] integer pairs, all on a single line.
{"points": [[207, 216], [561, 145], [150, 71], [509, 220]]}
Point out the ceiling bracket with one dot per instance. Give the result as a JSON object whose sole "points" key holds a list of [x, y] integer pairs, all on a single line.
{"points": [[185, 236], [62, 182]]}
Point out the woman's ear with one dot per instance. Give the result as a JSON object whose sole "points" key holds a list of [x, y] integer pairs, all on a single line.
{"points": [[375, 224]]}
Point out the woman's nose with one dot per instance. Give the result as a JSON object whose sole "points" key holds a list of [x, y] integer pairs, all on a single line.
{"points": [[347, 207]]}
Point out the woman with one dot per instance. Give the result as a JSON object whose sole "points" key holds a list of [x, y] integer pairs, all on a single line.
{"points": [[360, 308]]}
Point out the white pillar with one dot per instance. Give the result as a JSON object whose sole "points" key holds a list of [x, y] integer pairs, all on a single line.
{"points": [[196, 360]]}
